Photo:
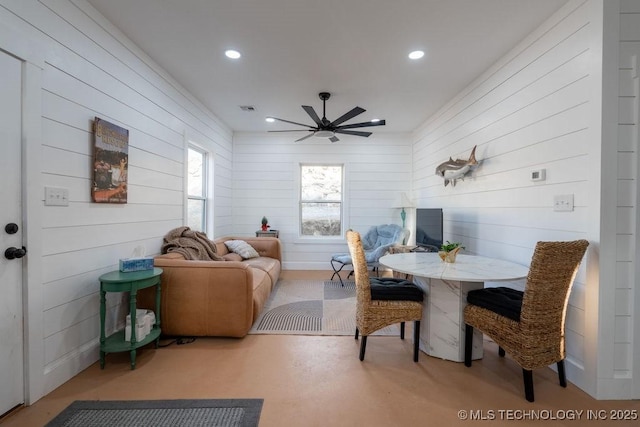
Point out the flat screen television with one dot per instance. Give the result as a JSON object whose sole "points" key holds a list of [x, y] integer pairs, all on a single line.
{"points": [[429, 228]]}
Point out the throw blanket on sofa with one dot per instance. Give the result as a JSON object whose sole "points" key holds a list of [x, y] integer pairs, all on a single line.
{"points": [[190, 244]]}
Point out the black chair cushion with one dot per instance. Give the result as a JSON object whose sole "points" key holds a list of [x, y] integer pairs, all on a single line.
{"points": [[389, 288], [506, 302]]}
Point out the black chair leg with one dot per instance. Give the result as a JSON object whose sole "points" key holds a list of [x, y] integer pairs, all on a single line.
{"points": [[357, 333], [500, 351], [363, 346], [416, 340], [336, 272], [401, 330], [561, 374], [528, 384], [468, 344]]}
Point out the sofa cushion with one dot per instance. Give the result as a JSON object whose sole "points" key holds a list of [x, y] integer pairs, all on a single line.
{"points": [[242, 248], [268, 265]]}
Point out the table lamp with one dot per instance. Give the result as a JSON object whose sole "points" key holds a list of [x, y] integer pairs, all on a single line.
{"points": [[402, 203]]}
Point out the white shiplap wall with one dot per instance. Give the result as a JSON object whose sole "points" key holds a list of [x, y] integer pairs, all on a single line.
{"points": [[538, 107], [91, 69], [265, 183], [627, 313]]}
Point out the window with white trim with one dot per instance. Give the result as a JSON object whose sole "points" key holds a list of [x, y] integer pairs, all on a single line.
{"points": [[197, 175], [321, 200]]}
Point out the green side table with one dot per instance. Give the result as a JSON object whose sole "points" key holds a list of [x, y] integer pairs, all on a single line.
{"points": [[117, 281]]}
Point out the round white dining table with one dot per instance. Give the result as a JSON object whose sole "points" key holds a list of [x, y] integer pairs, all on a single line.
{"points": [[446, 286]]}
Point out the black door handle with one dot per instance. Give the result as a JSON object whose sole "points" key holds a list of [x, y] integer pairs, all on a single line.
{"points": [[13, 253], [11, 228]]}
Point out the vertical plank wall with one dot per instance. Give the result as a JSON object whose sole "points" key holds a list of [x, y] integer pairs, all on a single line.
{"points": [[537, 108], [90, 70], [265, 183], [627, 209]]}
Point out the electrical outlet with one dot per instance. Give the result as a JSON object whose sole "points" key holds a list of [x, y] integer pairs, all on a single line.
{"points": [[563, 203], [56, 196]]}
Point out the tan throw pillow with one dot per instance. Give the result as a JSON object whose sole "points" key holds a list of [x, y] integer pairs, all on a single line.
{"points": [[242, 248], [232, 256]]}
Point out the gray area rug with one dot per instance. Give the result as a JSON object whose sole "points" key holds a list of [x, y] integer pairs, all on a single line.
{"points": [[312, 307], [160, 413]]}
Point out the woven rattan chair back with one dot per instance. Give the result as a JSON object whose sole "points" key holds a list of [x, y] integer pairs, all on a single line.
{"points": [[544, 304], [363, 284]]}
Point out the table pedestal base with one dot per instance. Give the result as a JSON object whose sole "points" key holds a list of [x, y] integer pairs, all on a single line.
{"points": [[442, 327]]}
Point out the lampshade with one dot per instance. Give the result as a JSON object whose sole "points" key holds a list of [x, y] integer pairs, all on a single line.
{"points": [[403, 201]]}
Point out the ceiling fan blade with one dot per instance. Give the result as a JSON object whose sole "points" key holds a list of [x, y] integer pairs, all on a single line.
{"points": [[304, 137], [312, 113], [293, 123], [293, 130], [347, 116], [334, 139], [362, 125], [353, 132]]}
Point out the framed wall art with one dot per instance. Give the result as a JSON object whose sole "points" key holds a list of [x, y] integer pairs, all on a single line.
{"points": [[110, 162]]}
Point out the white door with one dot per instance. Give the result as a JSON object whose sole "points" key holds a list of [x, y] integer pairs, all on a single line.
{"points": [[11, 338]]}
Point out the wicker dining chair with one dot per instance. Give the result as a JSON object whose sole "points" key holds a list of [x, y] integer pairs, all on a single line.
{"points": [[384, 301], [529, 325]]}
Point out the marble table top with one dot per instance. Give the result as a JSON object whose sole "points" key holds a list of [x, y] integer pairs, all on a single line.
{"points": [[467, 268]]}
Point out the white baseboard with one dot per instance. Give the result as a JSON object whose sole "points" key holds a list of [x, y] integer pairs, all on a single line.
{"points": [[67, 367]]}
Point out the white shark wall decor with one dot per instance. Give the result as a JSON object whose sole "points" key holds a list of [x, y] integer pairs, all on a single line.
{"points": [[452, 170]]}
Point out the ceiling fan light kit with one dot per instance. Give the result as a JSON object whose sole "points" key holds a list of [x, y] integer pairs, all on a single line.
{"points": [[324, 134], [328, 129]]}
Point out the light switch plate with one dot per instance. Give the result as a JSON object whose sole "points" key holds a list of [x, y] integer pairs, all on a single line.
{"points": [[56, 196], [538, 175], [563, 203]]}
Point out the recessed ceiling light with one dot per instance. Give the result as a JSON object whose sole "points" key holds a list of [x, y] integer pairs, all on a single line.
{"points": [[375, 120], [416, 54], [233, 54], [270, 119]]}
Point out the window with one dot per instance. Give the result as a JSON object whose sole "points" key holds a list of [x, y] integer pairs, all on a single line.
{"points": [[321, 202], [197, 189]]}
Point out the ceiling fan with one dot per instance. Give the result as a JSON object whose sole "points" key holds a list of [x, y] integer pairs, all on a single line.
{"points": [[326, 129]]}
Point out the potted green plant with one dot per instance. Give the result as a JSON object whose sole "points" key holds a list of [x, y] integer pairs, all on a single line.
{"points": [[265, 223], [448, 251]]}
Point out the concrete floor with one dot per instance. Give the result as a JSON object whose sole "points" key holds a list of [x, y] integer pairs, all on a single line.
{"points": [[319, 381]]}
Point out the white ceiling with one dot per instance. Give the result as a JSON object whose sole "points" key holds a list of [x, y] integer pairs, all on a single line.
{"points": [[355, 49]]}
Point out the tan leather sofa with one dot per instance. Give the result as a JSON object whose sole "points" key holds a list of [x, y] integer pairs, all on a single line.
{"points": [[215, 298]]}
